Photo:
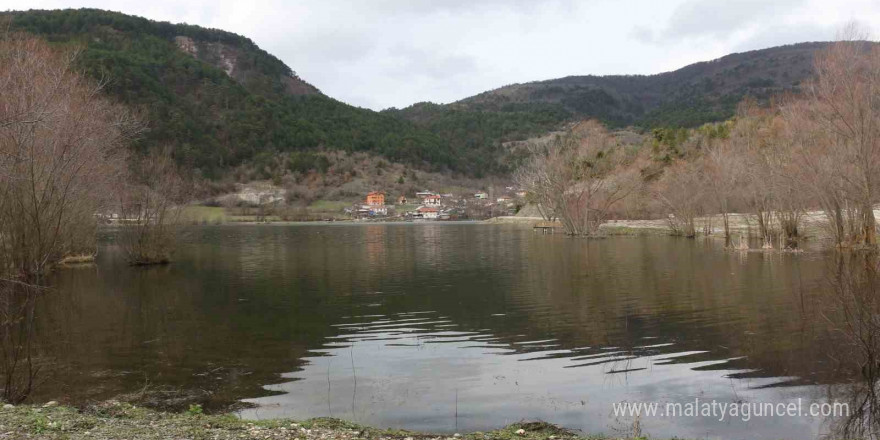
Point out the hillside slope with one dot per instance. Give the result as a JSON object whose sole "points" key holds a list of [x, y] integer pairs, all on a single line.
{"points": [[690, 96], [219, 101]]}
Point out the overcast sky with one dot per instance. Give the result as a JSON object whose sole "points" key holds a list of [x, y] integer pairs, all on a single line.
{"points": [[384, 53]]}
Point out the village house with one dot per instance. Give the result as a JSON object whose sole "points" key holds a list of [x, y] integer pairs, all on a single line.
{"points": [[432, 200], [427, 212], [374, 206], [424, 193], [481, 195], [503, 200], [375, 198]]}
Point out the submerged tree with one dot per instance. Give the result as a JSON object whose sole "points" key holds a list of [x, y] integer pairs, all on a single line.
{"points": [[150, 205], [839, 128], [61, 144], [851, 305], [683, 190], [578, 177], [19, 363], [722, 170]]}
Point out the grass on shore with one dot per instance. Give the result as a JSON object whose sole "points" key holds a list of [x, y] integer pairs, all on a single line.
{"points": [[217, 215], [115, 420], [328, 206], [212, 215]]}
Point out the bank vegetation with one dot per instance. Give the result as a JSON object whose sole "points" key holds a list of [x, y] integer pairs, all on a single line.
{"points": [[65, 164], [818, 150]]}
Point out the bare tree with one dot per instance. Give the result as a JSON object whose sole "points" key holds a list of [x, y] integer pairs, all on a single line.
{"points": [[579, 177], [843, 106], [61, 144], [150, 205], [683, 190], [722, 170]]}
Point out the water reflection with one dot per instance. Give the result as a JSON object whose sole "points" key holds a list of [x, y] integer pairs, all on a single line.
{"points": [[20, 357], [852, 310], [452, 327]]}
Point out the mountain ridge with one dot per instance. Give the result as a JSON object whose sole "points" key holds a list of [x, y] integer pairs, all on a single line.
{"points": [[701, 92], [219, 101]]}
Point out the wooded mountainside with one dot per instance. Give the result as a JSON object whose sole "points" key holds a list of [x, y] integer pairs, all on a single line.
{"points": [[219, 101]]}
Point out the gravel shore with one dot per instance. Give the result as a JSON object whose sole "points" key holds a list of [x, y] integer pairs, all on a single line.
{"points": [[116, 420]]}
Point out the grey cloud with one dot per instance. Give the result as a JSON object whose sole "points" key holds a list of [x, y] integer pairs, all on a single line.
{"points": [[712, 18], [782, 35], [378, 53], [335, 45], [462, 6], [434, 65], [643, 34]]}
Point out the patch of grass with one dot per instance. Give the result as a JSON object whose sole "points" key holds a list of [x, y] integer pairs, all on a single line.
{"points": [[211, 215], [610, 229], [334, 206]]}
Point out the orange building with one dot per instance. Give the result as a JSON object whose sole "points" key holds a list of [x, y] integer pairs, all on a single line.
{"points": [[376, 198]]}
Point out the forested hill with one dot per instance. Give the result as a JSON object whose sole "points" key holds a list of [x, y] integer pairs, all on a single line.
{"points": [[693, 95], [218, 100]]}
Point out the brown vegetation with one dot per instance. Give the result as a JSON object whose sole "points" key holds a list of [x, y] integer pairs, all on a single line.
{"points": [[61, 149], [579, 177], [63, 161], [62, 146], [150, 205], [820, 150]]}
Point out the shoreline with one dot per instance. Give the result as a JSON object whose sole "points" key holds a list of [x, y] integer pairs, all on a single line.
{"points": [[115, 420], [813, 224]]}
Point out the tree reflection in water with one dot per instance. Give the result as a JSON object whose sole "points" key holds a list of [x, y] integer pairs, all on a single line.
{"points": [[853, 313], [19, 364]]}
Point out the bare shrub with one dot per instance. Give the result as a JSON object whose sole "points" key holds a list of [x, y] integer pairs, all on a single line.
{"points": [[150, 204], [578, 177], [683, 191], [838, 128], [61, 146], [722, 169]]}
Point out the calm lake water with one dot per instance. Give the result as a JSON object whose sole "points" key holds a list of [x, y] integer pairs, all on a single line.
{"points": [[448, 327]]}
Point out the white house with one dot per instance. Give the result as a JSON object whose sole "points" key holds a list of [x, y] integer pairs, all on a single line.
{"points": [[428, 212], [432, 200]]}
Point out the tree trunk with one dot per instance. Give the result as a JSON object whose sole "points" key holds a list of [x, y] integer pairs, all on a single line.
{"points": [[870, 226]]}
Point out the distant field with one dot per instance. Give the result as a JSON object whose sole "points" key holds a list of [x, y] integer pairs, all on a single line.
{"points": [[205, 214], [334, 206], [210, 215]]}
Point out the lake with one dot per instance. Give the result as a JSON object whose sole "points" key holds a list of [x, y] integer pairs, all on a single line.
{"points": [[448, 327]]}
